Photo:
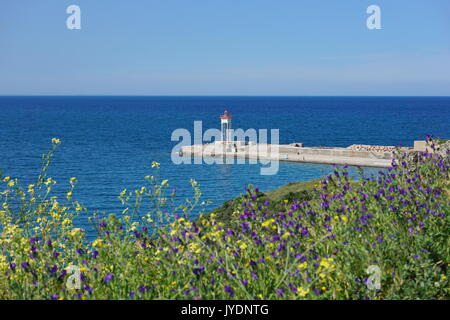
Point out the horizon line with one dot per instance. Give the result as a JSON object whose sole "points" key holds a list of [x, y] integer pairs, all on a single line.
{"points": [[219, 95]]}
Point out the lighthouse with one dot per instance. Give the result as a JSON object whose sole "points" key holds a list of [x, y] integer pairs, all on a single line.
{"points": [[225, 126]]}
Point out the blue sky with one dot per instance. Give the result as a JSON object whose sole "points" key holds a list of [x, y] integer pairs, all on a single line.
{"points": [[225, 47]]}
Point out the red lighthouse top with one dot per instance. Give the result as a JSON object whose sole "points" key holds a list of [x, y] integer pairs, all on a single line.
{"points": [[226, 115]]}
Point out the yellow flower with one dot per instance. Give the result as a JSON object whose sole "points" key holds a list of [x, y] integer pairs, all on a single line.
{"points": [[285, 201], [267, 222], [243, 246], [443, 277], [164, 182], [6, 179], [286, 235], [99, 243], [344, 219], [302, 292], [155, 164], [74, 232], [327, 263], [56, 141], [73, 180], [11, 183], [303, 265]]}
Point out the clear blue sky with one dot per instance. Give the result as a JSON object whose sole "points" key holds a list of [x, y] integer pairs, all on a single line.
{"points": [[225, 47]]}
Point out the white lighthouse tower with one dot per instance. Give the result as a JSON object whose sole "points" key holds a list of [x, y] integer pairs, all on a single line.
{"points": [[225, 127]]}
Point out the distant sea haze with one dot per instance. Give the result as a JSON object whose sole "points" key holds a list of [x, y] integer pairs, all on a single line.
{"points": [[108, 143]]}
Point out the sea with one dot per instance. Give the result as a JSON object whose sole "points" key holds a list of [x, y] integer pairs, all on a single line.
{"points": [[109, 142]]}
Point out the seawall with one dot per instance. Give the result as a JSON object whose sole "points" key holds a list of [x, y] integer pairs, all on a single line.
{"points": [[340, 156]]}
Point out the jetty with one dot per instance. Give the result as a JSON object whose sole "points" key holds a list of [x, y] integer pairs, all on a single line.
{"points": [[271, 152], [228, 148]]}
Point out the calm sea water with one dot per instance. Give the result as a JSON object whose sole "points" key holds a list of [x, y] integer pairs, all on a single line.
{"points": [[109, 142]]}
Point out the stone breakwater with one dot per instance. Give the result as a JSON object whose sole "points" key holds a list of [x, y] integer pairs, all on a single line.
{"points": [[292, 153], [366, 147]]}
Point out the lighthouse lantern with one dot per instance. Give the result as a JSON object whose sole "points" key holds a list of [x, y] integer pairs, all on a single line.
{"points": [[225, 126]]}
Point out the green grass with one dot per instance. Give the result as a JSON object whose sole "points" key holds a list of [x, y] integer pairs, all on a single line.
{"points": [[291, 189], [301, 191]]}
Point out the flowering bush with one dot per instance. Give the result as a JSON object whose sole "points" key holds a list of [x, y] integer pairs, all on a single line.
{"points": [[385, 237]]}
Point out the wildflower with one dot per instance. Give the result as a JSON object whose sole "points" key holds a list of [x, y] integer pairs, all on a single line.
{"points": [[286, 235], [327, 263], [74, 232], [155, 164], [53, 269], [443, 277], [98, 243], [302, 292], [199, 270], [94, 254], [56, 141], [243, 246], [279, 292], [267, 222], [228, 290], [108, 277], [164, 182], [303, 265]]}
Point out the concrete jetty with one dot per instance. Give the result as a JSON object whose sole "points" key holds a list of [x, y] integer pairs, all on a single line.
{"points": [[295, 152], [231, 146]]}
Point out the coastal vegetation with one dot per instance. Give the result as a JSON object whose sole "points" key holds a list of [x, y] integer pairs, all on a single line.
{"points": [[382, 237]]}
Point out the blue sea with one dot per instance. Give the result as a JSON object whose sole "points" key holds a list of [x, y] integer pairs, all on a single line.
{"points": [[109, 142]]}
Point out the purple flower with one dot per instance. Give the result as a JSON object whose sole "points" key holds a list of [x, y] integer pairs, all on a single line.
{"points": [[12, 266], [293, 288], [53, 269], [62, 274], [33, 240], [279, 292], [325, 205], [87, 288], [197, 271], [54, 297], [229, 290], [108, 277], [24, 265]]}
